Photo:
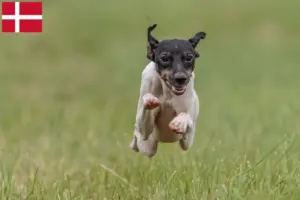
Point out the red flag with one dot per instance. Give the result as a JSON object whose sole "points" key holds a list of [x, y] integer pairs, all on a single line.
{"points": [[24, 17]]}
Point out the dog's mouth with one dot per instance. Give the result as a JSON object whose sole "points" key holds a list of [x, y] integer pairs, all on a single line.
{"points": [[177, 90]]}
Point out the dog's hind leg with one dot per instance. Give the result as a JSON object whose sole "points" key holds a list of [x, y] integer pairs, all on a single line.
{"points": [[147, 147]]}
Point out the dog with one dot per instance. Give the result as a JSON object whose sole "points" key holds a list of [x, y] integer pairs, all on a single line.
{"points": [[168, 105]]}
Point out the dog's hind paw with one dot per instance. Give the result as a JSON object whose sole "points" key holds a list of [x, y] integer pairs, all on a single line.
{"points": [[150, 101], [133, 144]]}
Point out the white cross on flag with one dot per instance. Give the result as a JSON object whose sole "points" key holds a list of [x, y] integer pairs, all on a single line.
{"points": [[23, 17]]}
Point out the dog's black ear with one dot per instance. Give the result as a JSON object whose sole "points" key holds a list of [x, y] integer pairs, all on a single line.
{"points": [[152, 43], [198, 36]]}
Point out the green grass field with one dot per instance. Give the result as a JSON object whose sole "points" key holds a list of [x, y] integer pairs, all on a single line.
{"points": [[69, 95]]}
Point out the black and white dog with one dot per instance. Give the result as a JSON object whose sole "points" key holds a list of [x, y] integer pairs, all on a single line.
{"points": [[168, 105]]}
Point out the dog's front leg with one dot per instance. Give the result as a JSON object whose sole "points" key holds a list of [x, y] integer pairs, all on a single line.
{"points": [[185, 122], [146, 115], [184, 125], [144, 126], [148, 107], [188, 138]]}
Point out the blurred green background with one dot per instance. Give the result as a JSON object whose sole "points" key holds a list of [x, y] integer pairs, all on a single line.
{"points": [[69, 97]]}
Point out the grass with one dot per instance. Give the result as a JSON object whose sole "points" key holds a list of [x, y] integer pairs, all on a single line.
{"points": [[68, 102]]}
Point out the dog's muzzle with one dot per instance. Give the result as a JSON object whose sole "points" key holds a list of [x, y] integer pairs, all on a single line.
{"points": [[176, 89]]}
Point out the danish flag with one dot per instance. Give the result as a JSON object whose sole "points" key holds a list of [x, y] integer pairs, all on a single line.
{"points": [[23, 17]]}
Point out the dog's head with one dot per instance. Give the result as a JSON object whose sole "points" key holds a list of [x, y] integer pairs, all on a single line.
{"points": [[175, 59]]}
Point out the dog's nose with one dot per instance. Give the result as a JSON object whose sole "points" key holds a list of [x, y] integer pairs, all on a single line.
{"points": [[180, 78]]}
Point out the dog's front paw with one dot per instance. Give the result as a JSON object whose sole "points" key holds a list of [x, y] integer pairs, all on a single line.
{"points": [[179, 124], [150, 101]]}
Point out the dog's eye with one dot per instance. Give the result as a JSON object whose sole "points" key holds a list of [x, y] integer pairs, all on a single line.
{"points": [[164, 58], [189, 58]]}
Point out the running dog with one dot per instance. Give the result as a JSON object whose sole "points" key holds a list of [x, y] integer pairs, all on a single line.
{"points": [[168, 105]]}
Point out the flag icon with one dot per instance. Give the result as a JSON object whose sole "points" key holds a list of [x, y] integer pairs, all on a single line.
{"points": [[22, 17]]}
